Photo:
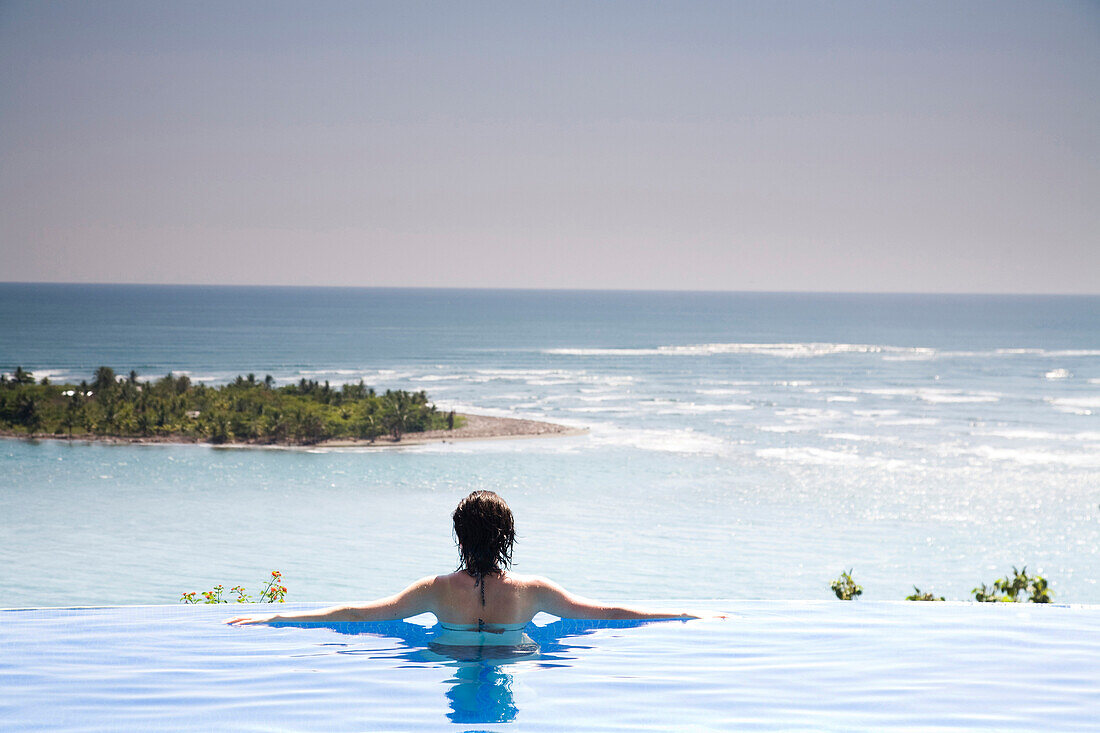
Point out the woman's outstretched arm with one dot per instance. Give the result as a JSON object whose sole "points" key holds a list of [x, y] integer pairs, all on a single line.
{"points": [[554, 599], [417, 598]]}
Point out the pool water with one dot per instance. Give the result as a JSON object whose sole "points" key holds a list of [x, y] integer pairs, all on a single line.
{"points": [[771, 665]]}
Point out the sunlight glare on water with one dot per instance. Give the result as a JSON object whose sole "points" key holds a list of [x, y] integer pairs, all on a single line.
{"points": [[741, 445]]}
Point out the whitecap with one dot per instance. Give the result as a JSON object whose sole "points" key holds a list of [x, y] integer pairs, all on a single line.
{"points": [[1073, 352], [669, 441], [1047, 353], [51, 374], [917, 355], [932, 394], [1075, 405], [1025, 434], [732, 382], [1058, 374], [788, 428], [729, 421], [784, 350], [874, 413], [910, 421], [943, 396], [813, 349], [324, 372], [886, 391], [863, 438], [519, 373], [690, 408], [808, 413], [824, 457], [602, 397], [1032, 457], [722, 391], [596, 409]]}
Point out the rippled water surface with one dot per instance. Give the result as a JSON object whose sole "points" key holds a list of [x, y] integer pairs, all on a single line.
{"points": [[747, 446], [771, 665]]}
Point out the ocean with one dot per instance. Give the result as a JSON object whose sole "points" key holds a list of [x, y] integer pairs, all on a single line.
{"points": [[739, 445]]}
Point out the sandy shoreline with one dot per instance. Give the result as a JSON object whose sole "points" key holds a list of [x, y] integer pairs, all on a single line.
{"points": [[477, 427]]}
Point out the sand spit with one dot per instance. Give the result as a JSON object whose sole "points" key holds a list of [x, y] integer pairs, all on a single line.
{"points": [[477, 427]]}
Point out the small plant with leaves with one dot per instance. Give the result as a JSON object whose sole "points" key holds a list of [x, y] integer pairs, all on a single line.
{"points": [[845, 588], [273, 592], [919, 595], [986, 595], [1013, 589]]}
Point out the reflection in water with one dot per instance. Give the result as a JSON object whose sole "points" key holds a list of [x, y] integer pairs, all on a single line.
{"points": [[481, 692], [480, 687]]}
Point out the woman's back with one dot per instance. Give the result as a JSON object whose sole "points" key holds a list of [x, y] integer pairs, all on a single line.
{"points": [[510, 599]]}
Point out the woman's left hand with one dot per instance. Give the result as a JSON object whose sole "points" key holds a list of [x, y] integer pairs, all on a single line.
{"points": [[246, 620]]}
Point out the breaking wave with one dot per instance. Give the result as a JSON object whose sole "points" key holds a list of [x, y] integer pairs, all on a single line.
{"points": [[815, 349]]}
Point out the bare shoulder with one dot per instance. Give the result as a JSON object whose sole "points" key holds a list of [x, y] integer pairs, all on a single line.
{"points": [[445, 582], [427, 584], [531, 582]]}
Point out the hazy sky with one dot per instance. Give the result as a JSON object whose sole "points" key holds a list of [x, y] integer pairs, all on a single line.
{"points": [[911, 146]]}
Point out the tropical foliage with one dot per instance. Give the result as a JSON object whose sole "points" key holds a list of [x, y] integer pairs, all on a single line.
{"points": [[273, 592], [246, 410], [845, 588], [1018, 587], [919, 595]]}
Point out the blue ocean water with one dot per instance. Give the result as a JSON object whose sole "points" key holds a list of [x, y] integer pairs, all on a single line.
{"points": [[740, 445]]}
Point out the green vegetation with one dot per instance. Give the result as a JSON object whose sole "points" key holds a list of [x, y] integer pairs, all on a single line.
{"points": [[920, 596], [1010, 591], [273, 592], [1004, 590], [846, 588], [246, 410]]}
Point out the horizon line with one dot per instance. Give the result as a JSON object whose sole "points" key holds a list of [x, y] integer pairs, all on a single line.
{"points": [[753, 291]]}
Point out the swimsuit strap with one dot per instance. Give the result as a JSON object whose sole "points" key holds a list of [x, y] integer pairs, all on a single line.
{"points": [[479, 580]]}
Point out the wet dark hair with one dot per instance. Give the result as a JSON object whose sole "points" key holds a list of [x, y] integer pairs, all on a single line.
{"points": [[485, 532]]}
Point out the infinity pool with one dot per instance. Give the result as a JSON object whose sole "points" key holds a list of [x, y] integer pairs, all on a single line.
{"points": [[772, 665]]}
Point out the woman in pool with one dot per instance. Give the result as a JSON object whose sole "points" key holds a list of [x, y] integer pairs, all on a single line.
{"points": [[482, 595]]}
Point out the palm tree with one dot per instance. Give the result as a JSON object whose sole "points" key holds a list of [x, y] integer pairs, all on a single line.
{"points": [[396, 411], [74, 412], [26, 412], [22, 377], [104, 379]]}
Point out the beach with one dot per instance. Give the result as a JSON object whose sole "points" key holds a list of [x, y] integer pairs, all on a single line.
{"points": [[476, 427]]}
